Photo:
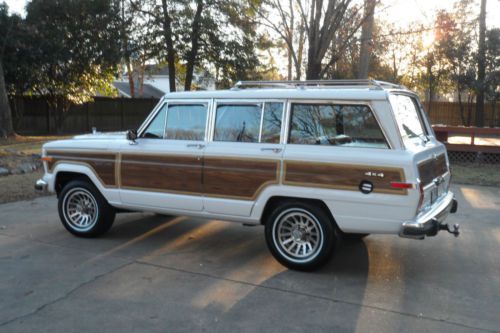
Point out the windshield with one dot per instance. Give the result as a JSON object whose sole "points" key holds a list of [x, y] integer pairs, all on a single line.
{"points": [[408, 117]]}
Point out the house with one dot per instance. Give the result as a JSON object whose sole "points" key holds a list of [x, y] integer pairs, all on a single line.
{"points": [[155, 82]]}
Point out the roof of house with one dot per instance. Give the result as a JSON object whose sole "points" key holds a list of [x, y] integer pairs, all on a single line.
{"points": [[148, 91]]}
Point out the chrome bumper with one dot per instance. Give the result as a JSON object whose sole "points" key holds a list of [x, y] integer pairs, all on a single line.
{"points": [[41, 186], [431, 222]]}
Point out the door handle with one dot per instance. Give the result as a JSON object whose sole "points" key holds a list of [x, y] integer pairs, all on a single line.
{"points": [[195, 145], [274, 150]]}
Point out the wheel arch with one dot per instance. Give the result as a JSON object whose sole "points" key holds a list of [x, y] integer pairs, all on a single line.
{"points": [[274, 201], [64, 177]]}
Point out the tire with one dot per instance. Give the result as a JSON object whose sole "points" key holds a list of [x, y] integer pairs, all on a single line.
{"points": [[308, 228], [93, 219]]}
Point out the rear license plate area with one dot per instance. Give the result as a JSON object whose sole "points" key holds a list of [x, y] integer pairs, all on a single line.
{"points": [[434, 194]]}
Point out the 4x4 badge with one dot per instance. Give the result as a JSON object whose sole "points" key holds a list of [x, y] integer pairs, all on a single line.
{"points": [[374, 174]]}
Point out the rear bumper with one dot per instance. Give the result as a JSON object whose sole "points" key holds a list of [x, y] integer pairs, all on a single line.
{"points": [[431, 222]]}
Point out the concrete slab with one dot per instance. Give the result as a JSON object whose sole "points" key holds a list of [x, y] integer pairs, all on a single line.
{"points": [[157, 273]]}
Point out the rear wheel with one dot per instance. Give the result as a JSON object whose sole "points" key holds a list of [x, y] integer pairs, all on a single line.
{"points": [[83, 210], [300, 235]]}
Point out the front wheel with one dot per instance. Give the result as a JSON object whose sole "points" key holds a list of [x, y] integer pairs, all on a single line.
{"points": [[300, 235], [83, 210]]}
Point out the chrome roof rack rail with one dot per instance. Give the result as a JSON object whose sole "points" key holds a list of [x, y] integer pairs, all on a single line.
{"points": [[316, 83]]}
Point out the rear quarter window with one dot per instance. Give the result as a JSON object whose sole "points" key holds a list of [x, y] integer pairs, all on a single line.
{"points": [[335, 125]]}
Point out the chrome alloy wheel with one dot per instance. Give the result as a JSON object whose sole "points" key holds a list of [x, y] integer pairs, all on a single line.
{"points": [[80, 209], [298, 235]]}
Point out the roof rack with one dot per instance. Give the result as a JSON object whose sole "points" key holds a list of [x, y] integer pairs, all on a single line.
{"points": [[317, 83]]}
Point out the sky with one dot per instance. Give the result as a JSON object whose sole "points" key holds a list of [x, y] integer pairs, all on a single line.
{"points": [[397, 11]]}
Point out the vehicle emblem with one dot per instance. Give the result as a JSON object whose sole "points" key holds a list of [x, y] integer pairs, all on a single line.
{"points": [[374, 174]]}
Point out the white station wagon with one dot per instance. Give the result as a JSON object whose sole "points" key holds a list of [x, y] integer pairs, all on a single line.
{"points": [[312, 161]]}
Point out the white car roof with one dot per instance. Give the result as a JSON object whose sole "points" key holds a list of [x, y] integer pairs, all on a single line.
{"points": [[362, 90]]}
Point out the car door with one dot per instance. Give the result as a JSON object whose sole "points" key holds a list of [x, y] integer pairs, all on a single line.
{"points": [[164, 167], [243, 156]]}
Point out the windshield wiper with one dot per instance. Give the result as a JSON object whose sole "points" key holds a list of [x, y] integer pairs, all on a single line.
{"points": [[412, 134]]}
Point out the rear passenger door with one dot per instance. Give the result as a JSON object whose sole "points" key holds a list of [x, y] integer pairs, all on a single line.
{"points": [[243, 155], [164, 168]]}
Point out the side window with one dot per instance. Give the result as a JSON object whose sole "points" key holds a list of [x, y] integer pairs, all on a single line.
{"points": [[186, 122], [238, 122], [333, 124], [271, 122], [156, 127]]}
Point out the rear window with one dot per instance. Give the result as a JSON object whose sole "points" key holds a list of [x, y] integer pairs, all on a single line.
{"points": [[410, 122]]}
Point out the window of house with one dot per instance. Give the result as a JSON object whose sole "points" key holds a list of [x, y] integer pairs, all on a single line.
{"points": [[336, 125], [186, 122]]}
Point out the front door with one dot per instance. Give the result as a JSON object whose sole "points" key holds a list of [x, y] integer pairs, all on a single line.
{"points": [[243, 156], [164, 168]]}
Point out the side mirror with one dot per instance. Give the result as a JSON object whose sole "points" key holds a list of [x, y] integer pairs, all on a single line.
{"points": [[132, 135]]}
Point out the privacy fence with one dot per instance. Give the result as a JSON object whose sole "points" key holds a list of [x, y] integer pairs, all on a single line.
{"points": [[33, 117], [449, 114]]}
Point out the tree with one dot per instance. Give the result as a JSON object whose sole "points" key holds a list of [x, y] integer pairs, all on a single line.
{"points": [[286, 28], [492, 81], [75, 48], [366, 39], [481, 66], [323, 21], [454, 40], [6, 23]]}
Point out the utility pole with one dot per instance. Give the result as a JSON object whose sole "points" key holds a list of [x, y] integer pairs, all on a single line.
{"points": [[366, 39], [481, 66]]}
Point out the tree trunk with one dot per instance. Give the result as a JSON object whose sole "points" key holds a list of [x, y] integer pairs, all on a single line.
{"points": [[481, 66], [126, 52], [366, 40], [195, 38], [300, 52], [167, 33], [6, 127], [130, 76], [461, 105]]}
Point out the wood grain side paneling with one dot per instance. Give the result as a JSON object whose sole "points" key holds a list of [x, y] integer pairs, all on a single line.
{"points": [[432, 168], [168, 173], [102, 163], [238, 178], [340, 176]]}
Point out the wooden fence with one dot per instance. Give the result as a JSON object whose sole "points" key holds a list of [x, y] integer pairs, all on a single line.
{"points": [[32, 116], [448, 113]]}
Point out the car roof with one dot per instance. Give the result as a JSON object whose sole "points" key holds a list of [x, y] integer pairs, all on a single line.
{"points": [[309, 90]]}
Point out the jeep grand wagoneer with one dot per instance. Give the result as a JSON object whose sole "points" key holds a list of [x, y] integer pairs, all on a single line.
{"points": [[312, 161]]}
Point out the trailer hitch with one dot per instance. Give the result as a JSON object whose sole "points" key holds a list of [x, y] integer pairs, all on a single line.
{"points": [[452, 230]]}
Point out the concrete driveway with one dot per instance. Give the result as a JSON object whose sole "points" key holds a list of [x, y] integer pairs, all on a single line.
{"points": [[171, 274]]}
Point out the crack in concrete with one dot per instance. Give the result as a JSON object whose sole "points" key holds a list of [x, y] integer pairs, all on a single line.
{"points": [[63, 297]]}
